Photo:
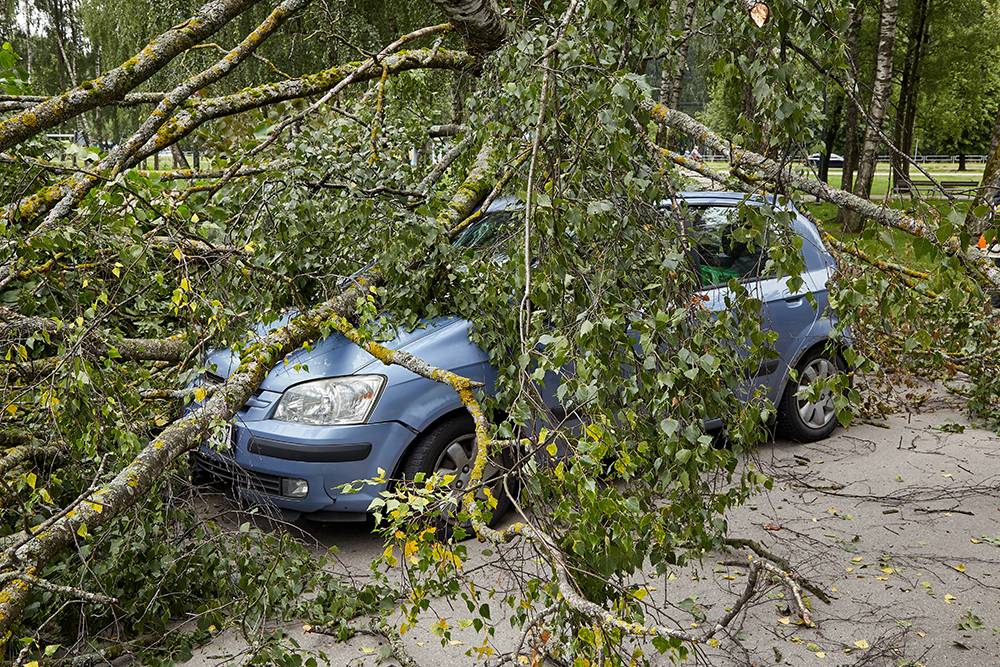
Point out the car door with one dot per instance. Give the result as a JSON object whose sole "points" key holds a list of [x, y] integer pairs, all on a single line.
{"points": [[790, 313]]}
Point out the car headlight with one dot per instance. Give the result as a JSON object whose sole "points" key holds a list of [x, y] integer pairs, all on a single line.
{"points": [[343, 400]]}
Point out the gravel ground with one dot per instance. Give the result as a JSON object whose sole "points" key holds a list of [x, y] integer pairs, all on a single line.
{"points": [[898, 520]]}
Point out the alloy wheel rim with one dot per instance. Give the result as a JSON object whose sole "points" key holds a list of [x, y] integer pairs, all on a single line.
{"points": [[819, 413], [457, 459]]}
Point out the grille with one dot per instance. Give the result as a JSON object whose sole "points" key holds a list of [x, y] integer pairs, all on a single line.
{"points": [[227, 471], [212, 378]]}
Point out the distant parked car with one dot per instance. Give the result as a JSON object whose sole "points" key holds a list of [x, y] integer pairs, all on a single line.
{"points": [[334, 414], [835, 160]]}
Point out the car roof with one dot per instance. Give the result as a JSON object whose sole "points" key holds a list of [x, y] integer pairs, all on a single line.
{"points": [[704, 197]]}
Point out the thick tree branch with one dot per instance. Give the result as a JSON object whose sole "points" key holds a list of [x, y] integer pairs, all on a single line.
{"points": [[203, 110], [17, 326], [750, 166], [115, 83]]}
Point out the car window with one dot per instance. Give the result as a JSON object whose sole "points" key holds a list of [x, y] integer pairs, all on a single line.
{"points": [[489, 230], [720, 254]]}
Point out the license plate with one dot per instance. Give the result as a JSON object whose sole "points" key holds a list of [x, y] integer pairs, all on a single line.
{"points": [[221, 439]]}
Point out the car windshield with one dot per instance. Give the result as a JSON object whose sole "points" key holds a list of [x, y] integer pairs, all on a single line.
{"points": [[720, 253], [491, 229]]}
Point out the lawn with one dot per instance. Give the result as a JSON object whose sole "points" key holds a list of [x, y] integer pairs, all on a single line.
{"points": [[888, 244], [941, 171]]}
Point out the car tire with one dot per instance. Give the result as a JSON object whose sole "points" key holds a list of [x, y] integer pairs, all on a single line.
{"points": [[431, 452], [799, 420]]}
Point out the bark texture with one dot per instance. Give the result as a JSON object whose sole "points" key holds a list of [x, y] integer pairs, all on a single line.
{"points": [[477, 21], [853, 113], [881, 91]]}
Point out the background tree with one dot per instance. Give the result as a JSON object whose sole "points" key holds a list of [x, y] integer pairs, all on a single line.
{"points": [[881, 93]]}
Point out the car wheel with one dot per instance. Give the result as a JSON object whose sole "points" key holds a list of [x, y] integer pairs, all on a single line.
{"points": [[450, 449], [802, 420]]}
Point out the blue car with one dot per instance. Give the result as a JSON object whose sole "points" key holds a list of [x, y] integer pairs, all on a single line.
{"points": [[333, 414]]}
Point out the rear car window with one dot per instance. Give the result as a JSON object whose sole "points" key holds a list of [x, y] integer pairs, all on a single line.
{"points": [[720, 252]]}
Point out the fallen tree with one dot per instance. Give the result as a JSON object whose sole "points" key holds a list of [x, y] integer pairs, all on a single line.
{"points": [[300, 194]]}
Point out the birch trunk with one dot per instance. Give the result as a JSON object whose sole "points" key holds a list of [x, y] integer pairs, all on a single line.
{"points": [[881, 90]]}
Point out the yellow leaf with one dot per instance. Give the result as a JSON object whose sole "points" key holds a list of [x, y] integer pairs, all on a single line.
{"points": [[31, 479], [97, 507], [367, 650], [959, 568], [862, 644], [820, 654], [33, 663], [888, 570], [185, 284], [784, 620], [551, 449], [856, 559], [11, 408], [975, 541], [640, 593], [200, 394], [389, 558], [949, 598], [178, 255]]}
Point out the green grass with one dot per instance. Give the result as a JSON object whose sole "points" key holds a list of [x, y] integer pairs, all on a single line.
{"points": [[942, 171], [888, 244]]}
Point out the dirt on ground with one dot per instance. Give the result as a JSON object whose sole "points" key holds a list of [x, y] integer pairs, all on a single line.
{"points": [[897, 520]]}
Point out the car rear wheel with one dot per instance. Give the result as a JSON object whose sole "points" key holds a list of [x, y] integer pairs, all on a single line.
{"points": [[450, 449], [804, 420]]}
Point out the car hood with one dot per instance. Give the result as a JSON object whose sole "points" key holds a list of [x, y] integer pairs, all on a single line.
{"points": [[332, 356]]}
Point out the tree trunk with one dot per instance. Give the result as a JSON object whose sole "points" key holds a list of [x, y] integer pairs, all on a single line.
{"points": [[989, 188], [680, 62], [180, 162], [672, 69], [881, 89], [961, 162], [852, 116], [830, 138], [906, 109]]}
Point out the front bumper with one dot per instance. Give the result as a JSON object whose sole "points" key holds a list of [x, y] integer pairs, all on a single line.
{"points": [[261, 453]]}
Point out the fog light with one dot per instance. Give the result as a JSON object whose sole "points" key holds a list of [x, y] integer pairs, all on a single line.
{"points": [[294, 488]]}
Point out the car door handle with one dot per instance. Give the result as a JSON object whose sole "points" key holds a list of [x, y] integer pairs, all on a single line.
{"points": [[794, 300]]}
